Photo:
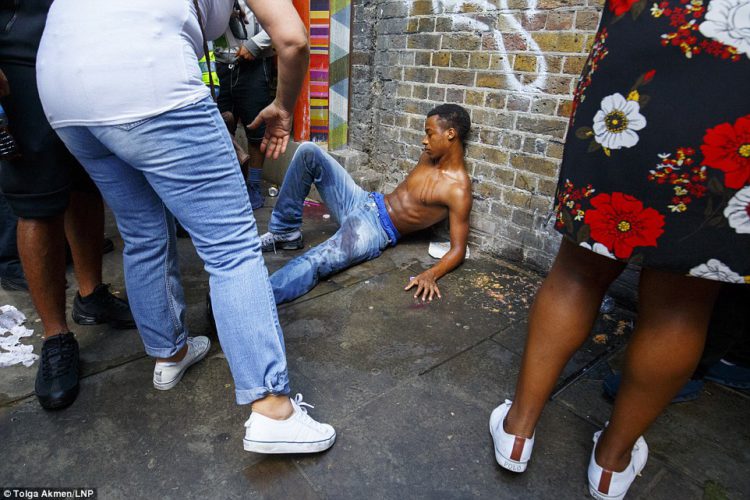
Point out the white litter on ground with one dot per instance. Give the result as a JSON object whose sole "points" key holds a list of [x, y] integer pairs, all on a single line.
{"points": [[12, 352], [439, 248]]}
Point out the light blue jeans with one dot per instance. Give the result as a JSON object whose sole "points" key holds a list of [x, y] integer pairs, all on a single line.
{"points": [[360, 237], [182, 162]]}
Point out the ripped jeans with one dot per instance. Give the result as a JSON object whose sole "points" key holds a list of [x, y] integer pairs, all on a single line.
{"points": [[360, 237]]}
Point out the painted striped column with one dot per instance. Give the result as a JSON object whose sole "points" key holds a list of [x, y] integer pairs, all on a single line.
{"points": [[338, 78]]}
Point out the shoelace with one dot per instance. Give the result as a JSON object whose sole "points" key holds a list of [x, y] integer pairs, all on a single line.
{"points": [[298, 403], [57, 355], [268, 238]]}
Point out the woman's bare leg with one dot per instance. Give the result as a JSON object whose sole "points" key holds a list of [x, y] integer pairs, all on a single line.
{"points": [[673, 315], [560, 320]]}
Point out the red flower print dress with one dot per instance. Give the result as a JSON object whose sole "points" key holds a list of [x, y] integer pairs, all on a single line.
{"points": [[656, 169]]}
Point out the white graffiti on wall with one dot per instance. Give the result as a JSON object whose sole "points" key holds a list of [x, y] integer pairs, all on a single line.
{"points": [[463, 21]]}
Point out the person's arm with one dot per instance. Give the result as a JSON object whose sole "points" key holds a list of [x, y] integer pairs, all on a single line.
{"points": [[459, 208], [283, 25], [258, 44]]}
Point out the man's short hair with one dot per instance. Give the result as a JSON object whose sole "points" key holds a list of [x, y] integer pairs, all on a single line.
{"points": [[455, 117]]}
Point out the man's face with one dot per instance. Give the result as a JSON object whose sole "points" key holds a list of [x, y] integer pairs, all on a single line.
{"points": [[437, 138]]}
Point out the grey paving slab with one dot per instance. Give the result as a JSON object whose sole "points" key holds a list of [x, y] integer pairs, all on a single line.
{"points": [[129, 440], [358, 342], [429, 438], [704, 439]]}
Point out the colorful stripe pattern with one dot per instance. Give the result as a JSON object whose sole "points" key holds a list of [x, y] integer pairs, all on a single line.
{"points": [[339, 73], [320, 24]]}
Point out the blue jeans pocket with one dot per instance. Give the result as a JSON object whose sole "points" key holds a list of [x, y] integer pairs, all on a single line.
{"points": [[130, 126]]}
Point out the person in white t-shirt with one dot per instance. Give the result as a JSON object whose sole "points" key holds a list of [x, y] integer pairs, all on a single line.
{"points": [[136, 114]]}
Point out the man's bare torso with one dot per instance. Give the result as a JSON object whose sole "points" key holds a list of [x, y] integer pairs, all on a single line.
{"points": [[421, 200]]}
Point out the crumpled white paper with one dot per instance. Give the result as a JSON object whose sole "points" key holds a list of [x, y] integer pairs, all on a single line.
{"points": [[12, 352]]}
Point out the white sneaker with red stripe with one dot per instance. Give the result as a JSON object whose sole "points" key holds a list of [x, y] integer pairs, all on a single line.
{"points": [[609, 485], [511, 452]]}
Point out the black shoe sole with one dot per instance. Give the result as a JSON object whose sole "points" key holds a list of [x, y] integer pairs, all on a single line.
{"points": [[50, 403], [90, 320]]}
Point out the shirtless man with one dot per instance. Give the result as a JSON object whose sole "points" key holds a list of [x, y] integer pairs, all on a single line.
{"points": [[437, 188]]}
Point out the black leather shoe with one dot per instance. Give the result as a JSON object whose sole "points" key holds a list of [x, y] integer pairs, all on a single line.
{"points": [[102, 307], [57, 379]]}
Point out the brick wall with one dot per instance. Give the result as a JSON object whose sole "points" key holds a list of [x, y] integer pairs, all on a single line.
{"points": [[512, 63]]}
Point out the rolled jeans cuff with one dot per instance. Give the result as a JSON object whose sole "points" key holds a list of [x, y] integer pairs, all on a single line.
{"points": [[247, 396], [167, 352]]}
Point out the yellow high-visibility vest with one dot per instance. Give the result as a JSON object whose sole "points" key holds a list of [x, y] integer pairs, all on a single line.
{"points": [[204, 69]]}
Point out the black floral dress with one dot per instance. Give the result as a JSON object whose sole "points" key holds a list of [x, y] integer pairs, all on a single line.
{"points": [[656, 168]]}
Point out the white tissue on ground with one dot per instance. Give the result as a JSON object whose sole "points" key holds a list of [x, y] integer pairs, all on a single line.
{"points": [[12, 352], [439, 248]]}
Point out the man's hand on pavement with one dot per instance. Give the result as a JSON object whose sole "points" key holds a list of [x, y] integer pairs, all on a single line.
{"points": [[426, 286]]}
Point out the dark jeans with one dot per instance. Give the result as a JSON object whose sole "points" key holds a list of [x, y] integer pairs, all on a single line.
{"points": [[245, 92], [10, 266]]}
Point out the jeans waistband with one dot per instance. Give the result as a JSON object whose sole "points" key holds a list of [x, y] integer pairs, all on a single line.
{"points": [[385, 219]]}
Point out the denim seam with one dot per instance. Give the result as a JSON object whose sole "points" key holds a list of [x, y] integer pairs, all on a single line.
{"points": [[167, 286]]}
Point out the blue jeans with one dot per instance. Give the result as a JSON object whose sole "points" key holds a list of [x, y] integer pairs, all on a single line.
{"points": [[182, 162], [10, 265], [360, 237]]}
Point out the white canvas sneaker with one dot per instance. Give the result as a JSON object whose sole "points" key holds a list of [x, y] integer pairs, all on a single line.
{"points": [[511, 452], [168, 374], [297, 434], [609, 485]]}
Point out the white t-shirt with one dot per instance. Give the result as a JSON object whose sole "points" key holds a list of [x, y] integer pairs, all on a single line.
{"points": [[118, 61]]}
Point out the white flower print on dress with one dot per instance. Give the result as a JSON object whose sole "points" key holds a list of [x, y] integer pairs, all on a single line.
{"points": [[728, 22], [600, 249], [716, 270], [738, 211], [616, 122]]}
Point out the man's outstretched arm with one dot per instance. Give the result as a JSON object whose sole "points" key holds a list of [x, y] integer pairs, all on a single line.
{"points": [[459, 208]]}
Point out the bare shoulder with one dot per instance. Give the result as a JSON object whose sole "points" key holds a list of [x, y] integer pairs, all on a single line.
{"points": [[458, 191], [459, 181]]}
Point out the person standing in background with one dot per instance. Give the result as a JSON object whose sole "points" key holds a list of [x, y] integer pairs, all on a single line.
{"points": [[54, 199], [243, 64]]}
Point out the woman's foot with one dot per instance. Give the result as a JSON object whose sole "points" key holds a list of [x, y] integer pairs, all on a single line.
{"points": [[511, 452], [610, 485]]}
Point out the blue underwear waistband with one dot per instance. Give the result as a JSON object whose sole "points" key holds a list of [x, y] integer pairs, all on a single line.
{"points": [[385, 219]]}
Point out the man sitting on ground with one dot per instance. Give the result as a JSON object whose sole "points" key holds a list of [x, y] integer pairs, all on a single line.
{"points": [[437, 188]]}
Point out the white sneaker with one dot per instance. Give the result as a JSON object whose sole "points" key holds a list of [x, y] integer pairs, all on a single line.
{"points": [[511, 452], [168, 373], [297, 434], [609, 485]]}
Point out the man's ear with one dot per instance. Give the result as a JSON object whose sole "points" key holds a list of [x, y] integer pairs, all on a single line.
{"points": [[451, 133]]}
